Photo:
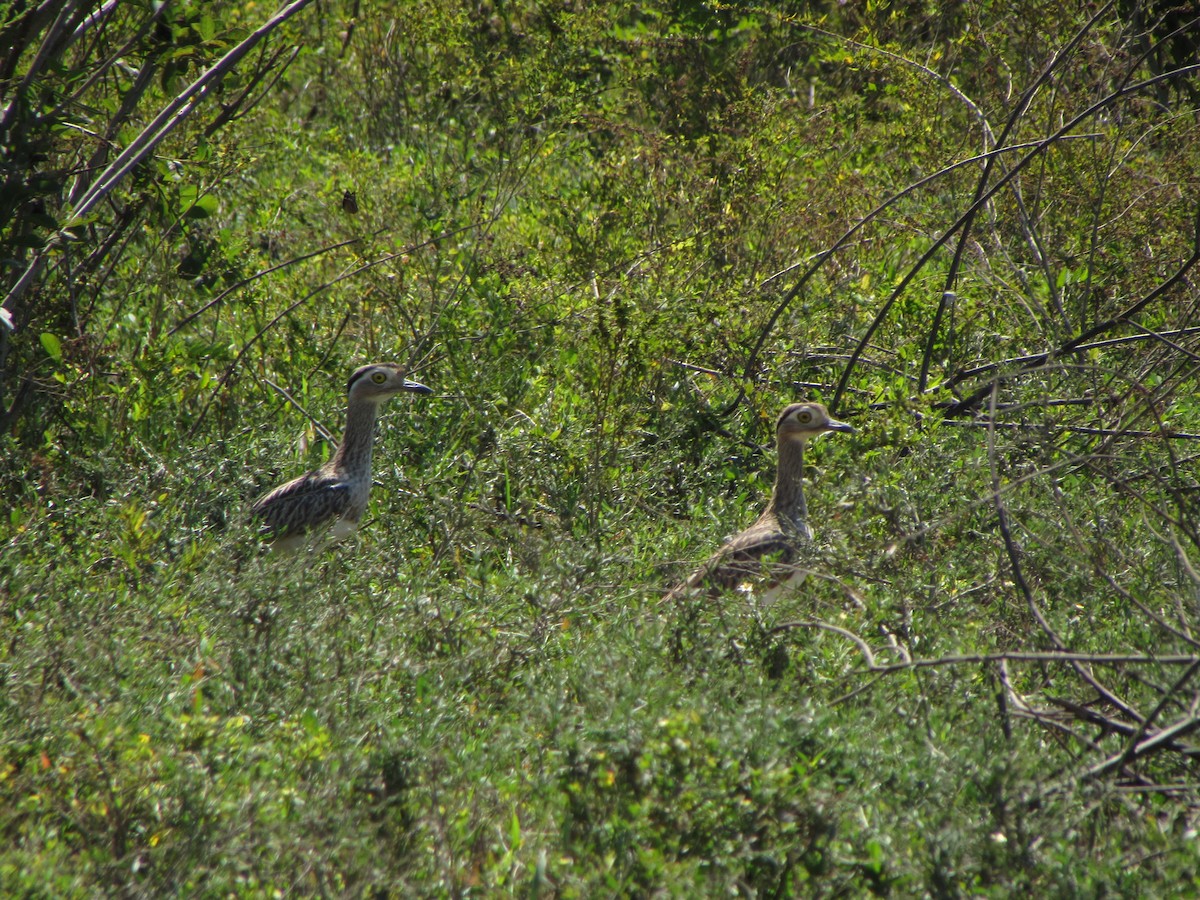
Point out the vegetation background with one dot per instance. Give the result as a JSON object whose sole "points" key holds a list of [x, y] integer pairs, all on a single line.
{"points": [[616, 239]]}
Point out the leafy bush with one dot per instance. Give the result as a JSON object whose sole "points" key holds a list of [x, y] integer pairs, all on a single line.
{"points": [[615, 240]]}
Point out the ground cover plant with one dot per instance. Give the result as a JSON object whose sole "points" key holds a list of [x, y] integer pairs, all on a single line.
{"points": [[615, 239]]}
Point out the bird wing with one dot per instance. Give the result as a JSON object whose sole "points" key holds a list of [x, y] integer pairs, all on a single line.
{"points": [[761, 549], [303, 502]]}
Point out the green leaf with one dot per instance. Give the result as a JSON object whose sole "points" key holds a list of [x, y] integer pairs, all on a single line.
{"points": [[203, 207], [196, 205], [81, 221], [52, 345]]}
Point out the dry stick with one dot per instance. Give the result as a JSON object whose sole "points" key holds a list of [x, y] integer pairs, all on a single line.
{"points": [[1018, 575], [67, 15], [120, 235], [283, 392], [238, 107], [176, 111], [1184, 560], [1065, 657], [1079, 429], [1173, 485], [1162, 431], [863, 647], [969, 508], [1049, 721], [1075, 345], [117, 120], [1164, 738], [1143, 783], [1138, 495], [1006, 533], [186, 320], [1002, 696], [1021, 707], [952, 275], [1091, 715], [987, 156], [1147, 53], [1104, 394], [1039, 148], [1168, 737], [95, 18], [1146, 611], [1135, 749], [1166, 389], [1013, 553], [337, 334], [75, 100]]}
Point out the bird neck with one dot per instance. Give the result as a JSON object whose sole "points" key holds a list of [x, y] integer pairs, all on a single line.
{"points": [[787, 499], [354, 453]]}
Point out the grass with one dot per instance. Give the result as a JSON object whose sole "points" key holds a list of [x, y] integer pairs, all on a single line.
{"points": [[597, 251]]}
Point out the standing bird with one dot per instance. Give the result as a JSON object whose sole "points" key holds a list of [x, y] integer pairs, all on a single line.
{"points": [[770, 546], [337, 492]]}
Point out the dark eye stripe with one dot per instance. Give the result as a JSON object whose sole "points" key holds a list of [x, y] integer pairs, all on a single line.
{"points": [[358, 373]]}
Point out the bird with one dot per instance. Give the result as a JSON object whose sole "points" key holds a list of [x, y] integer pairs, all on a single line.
{"points": [[336, 493], [767, 550]]}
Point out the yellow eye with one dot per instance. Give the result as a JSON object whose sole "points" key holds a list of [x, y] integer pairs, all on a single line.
{"points": [[379, 377], [804, 416]]}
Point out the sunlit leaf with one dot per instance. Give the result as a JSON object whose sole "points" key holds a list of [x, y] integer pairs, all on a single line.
{"points": [[52, 345]]}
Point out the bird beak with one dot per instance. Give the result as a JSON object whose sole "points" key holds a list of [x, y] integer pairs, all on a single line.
{"points": [[416, 387], [835, 425]]}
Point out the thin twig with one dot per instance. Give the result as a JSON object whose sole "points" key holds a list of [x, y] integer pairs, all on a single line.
{"points": [[1072, 346], [324, 432]]}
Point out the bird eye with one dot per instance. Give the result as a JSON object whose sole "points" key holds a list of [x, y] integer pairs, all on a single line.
{"points": [[379, 377], [804, 416]]}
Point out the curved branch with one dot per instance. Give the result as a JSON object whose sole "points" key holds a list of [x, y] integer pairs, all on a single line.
{"points": [[1077, 343], [1040, 147], [820, 258]]}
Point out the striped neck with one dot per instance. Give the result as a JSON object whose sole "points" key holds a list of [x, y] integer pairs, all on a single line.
{"points": [[787, 499], [354, 454]]}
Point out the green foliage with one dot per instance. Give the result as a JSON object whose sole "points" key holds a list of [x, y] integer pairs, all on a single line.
{"points": [[615, 240]]}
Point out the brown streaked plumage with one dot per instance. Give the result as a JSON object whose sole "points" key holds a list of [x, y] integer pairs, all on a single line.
{"points": [[337, 492], [767, 550]]}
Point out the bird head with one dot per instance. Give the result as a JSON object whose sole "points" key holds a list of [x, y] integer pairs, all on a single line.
{"points": [[805, 421], [378, 381]]}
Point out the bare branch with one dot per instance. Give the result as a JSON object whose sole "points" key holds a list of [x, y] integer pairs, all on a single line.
{"points": [[1074, 345]]}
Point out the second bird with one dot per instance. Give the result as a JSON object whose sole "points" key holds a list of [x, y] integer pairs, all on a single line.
{"points": [[767, 550], [336, 494]]}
